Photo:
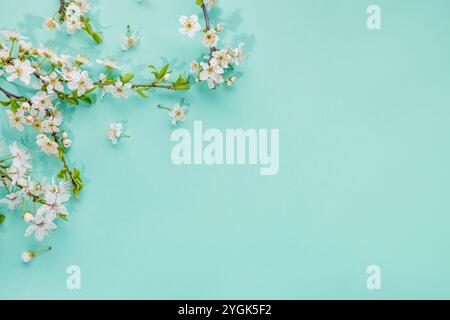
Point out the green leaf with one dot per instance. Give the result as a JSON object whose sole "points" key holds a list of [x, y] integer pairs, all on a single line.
{"points": [[62, 174], [181, 84], [70, 100], [141, 93], [76, 173], [162, 72], [88, 99], [2, 218], [97, 37], [127, 77], [199, 2], [63, 217], [152, 67], [14, 105], [5, 103]]}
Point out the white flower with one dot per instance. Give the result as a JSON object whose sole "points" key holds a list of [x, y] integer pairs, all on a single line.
{"points": [[109, 64], [52, 123], [178, 113], [12, 200], [190, 25], [22, 70], [73, 10], [4, 54], [42, 102], [239, 54], [212, 73], [54, 205], [195, 67], [41, 228], [67, 143], [130, 40], [210, 3], [219, 27], [53, 83], [21, 157], [28, 217], [12, 35], [82, 60], [16, 119], [80, 82], [73, 24], [51, 24], [222, 57], [48, 146], [114, 132], [119, 90], [84, 6], [210, 38], [25, 46], [27, 256], [61, 190]]}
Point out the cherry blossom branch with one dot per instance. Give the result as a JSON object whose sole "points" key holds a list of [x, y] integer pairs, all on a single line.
{"points": [[73, 15], [207, 23], [34, 197], [62, 7], [206, 15]]}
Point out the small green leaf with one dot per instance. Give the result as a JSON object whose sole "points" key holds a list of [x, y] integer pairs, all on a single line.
{"points": [[199, 2], [76, 173], [2, 218], [141, 93], [63, 217], [14, 105], [5, 103], [97, 37], [72, 101], [127, 77], [62, 174], [162, 72], [181, 84], [88, 99]]}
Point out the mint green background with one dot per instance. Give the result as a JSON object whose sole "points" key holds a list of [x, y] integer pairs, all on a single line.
{"points": [[364, 171]]}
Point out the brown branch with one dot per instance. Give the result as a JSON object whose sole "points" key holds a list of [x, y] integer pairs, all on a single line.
{"points": [[10, 95], [62, 7], [208, 24]]}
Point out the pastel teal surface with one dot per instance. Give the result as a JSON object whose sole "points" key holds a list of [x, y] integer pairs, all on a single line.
{"points": [[364, 160]]}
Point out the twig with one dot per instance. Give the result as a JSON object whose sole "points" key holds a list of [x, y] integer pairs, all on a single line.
{"points": [[9, 94], [208, 24]]}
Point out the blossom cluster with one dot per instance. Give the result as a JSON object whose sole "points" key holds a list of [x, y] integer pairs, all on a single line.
{"points": [[56, 81], [218, 66], [25, 193], [72, 15]]}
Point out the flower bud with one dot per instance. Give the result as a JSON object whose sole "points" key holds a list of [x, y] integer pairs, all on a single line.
{"points": [[67, 143], [26, 106], [65, 135], [28, 217], [27, 256], [29, 120], [166, 77], [219, 27]]}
